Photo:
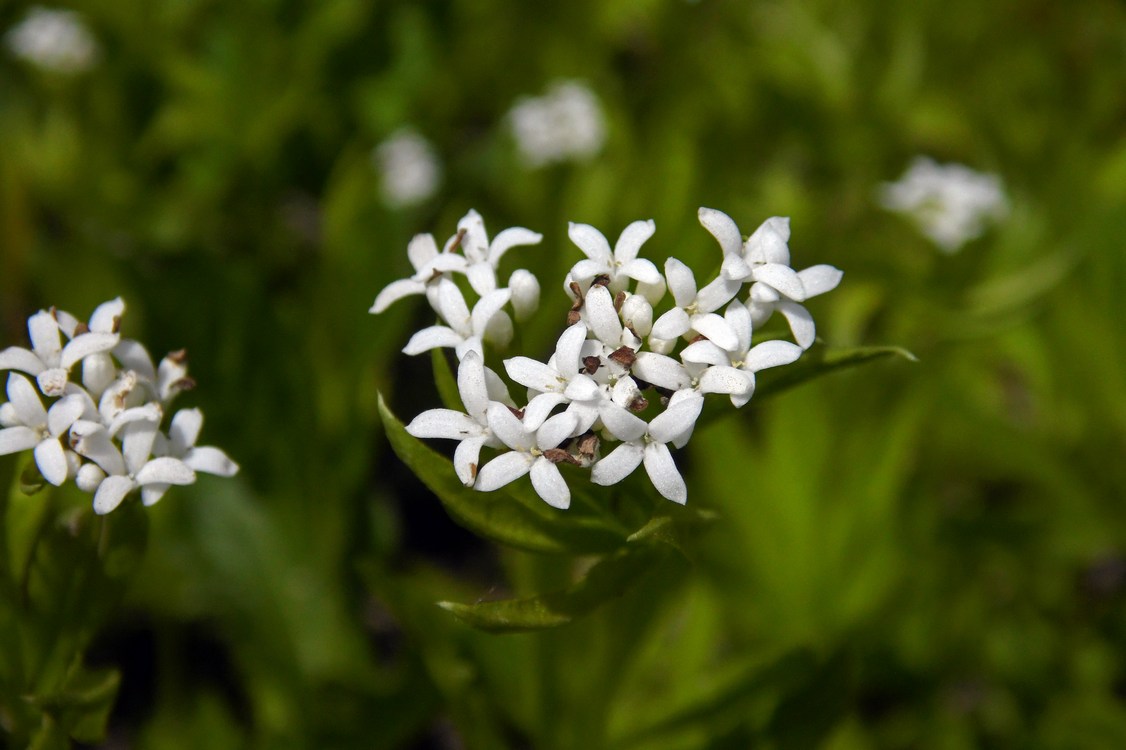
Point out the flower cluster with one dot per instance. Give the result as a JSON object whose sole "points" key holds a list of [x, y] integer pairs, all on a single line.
{"points": [[104, 431], [950, 203], [621, 375], [564, 124]]}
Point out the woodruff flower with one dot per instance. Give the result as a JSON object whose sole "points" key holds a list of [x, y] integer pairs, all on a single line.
{"points": [[54, 40], [564, 124], [623, 353], [105, 433]]}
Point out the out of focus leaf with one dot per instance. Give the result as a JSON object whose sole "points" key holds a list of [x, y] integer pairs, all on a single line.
{"points": [[607, 580], [82, 706], [508, 518], [446, 380]]}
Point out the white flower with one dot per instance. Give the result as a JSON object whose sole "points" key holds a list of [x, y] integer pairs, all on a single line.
{"points": [[647, 443], [409, 170], [532, 452], [694, 310], [744, 359], [55, 40], [482, 258], [566, 123], [31, 426], [558, 382], [764, 259], [466, 331], [622, 264], [950, 203], [181, 443], [477, 390], [48, 359], [429, 267], [691, 377], [135, 469]]}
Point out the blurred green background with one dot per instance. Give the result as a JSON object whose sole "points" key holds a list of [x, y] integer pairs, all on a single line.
{"points": [[911, 555]]}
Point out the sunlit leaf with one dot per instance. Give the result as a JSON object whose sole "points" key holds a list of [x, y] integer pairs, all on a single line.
{"points": [[508, 518]]}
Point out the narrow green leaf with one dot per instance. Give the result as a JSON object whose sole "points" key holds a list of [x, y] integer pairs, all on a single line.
{"points": [[446, 380], [820, 361], [508, 518], [608, 579], [82, 707]]}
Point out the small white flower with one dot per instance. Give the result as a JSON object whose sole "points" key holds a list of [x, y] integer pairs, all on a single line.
{"points": [[409, 170], [136, 469], [745, 359], [648, 444], [48, 359], [691, 377], [950, 203], [181, 443], [564, 124], [695, 311], [558, 382], [35, 427], [532, 452], [482, 258], [622, 264], [430, 266], [55, 40], [465, 331], [472, 428]]}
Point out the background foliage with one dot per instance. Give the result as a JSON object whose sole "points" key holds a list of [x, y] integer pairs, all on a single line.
{"points": [[908, 555]]}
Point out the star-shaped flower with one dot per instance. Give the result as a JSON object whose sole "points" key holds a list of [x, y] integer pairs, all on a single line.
{"points": [[28, 425], [465, 331], [619, 266], [536, 452], [471, 429], [482, 258], [136, 469], [695, 311], [429, 266], [648, 444], [48, 360]]}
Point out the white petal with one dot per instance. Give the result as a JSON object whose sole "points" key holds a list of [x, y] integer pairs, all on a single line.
{"points": [[467, 458], [152, 493], [510, 238], [18, 358], [621, 424], [555, 430], [487, 307], [801, 323], [820, 279], [718, 330], [602, 317], [768, 243], [111, 492], [587, 269], [505, 468], [783, 278], [734, 267], [672, 325], [89, 477], [592, 242], [451, 305], [630, 241], [652, 292], [52, 382], [44, 332], [394, 292], [508, 428], [16, 439], [432, 338], [499, 330], [676, 420], [91, 440], [106, 317], [25, 399], [98, 372], [210, 460], [739, 318], [136, 444], [717, 294], [582, 388], [638, 314], [682, 283], [663, 473], [531, 373], [724, 379], [705, 353], [133, 356], [421, 250], [84, 345], [166, 470], [539, 409], [472, 387], [444, 423], [476, 240], [661, 371], [482, 277], [772, 354], [723, 228], [64, 413], [617, 465], [184, 430], [498, 390], [51, 460], [568, 351], [549, 484]]}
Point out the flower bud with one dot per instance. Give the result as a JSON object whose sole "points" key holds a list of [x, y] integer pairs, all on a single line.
{"points": [[525, 293], [637, 314], [88, 478]]}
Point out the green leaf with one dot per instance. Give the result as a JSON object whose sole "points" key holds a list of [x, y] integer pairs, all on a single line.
{"points": [[608, 579], [510, 518], [821, 360], [82, 707], [446, 380]]}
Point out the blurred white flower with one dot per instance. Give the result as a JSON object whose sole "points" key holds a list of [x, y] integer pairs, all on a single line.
{"points": [[950, 203], [565, 123], [409, 170], [55, 40]]}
